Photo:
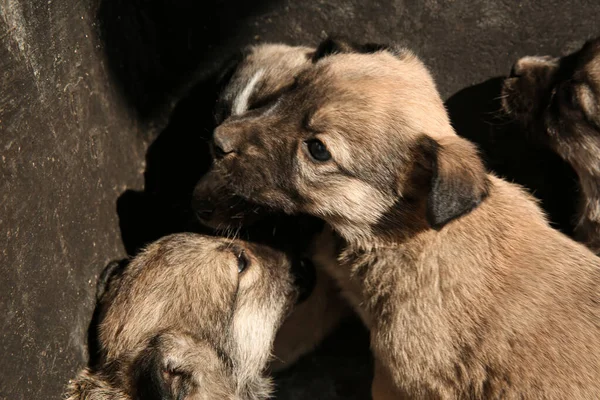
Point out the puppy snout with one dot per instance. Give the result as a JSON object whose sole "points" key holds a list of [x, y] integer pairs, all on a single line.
{"points": [[224, 142]]}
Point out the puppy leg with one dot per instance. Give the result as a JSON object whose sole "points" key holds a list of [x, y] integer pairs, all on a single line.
{"points": [[92, 386], [309, 323]]}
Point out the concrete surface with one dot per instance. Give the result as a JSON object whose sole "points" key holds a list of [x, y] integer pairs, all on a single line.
{"points": [[86, 86]]}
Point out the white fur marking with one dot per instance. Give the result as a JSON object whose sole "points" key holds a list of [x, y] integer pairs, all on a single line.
{"points": [[240, 104]]}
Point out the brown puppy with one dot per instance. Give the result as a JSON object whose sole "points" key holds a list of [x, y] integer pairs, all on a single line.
{"points": [[254, 78], [558, 101], [192, 317], [255, 81], [467, 290]]}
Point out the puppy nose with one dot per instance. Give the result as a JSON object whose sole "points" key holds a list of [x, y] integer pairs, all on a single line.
{"points": [[224, 142]]}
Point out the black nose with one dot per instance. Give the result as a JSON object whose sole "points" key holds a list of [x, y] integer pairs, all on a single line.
{"points": [[223, 143]]}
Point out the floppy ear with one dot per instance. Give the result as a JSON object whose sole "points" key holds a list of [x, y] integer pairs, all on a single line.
{"points": [[459, 181], [341, 44], [175, 366], [90, 385], [333, 45], [111, 273]]}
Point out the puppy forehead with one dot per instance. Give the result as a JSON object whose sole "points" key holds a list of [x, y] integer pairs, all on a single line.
{"points": [[383, 64], [265, 70], [279, 62], [370, 97]]}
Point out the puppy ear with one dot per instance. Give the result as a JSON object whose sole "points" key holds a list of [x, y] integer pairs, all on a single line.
{"points": [[111, 273], [341, 44], [459, 181], [333, 45], [91, 385], [175, 366]]}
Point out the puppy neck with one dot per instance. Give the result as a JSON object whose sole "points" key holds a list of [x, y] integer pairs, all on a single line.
{"points": [[391, 231]]}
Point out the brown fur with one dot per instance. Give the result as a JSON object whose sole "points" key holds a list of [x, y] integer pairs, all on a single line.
{"points": [[181, 322], [262, 75], [557, 100], [309, 323], [467, 290]]}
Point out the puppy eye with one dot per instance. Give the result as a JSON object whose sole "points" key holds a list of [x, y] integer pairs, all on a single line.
{"points": [[318, 150], [242, 262]]}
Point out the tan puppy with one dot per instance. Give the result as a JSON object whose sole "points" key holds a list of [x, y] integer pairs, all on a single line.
{"points": [[192, 317], [467, 290], [257, 80], [558, 101]]}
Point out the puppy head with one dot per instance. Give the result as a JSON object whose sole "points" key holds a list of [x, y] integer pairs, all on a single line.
{"points": [[252, 81], [261, 75], [359, 140], [193, 317], [558, 100], [174, 365]]}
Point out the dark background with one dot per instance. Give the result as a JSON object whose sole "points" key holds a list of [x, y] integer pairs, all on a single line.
{"points": [[97, 159]]}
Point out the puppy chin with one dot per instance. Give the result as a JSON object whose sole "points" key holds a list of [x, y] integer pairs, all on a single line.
{"points": [[254, 188], [217, 207]]}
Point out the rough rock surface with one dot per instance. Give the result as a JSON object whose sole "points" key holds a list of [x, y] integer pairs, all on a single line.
{"points": [[86, 86]]}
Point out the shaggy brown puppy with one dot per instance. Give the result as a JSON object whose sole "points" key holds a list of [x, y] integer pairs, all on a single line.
{"points": [[259, 78], [255, 77], [558, 101], [192, 317], [467, 290]]}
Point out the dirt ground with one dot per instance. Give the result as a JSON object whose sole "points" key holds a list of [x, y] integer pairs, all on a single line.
{"points": [[98, 155]]}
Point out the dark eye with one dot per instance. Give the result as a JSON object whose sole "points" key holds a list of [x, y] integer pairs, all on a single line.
{"points": [[317, 150], [242, 262]]}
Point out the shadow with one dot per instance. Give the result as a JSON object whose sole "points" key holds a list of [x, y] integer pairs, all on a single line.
{"points": [[341, 367], [113, 270], [175, 161], [475, 113], [153, 47]]}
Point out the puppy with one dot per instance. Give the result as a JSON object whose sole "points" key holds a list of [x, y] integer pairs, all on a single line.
{"points": [[557, 100], [467, 290], [191, 317], [255, 80]]}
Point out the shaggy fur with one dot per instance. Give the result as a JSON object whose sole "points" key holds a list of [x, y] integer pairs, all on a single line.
{"points": [[558, 101], [467, 291], [253, 82], [181, 322]]}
